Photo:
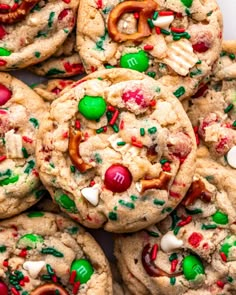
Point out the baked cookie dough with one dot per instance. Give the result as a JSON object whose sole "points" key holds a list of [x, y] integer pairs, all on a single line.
{"points": [[177, 41], [117, 151], [212, 110], [30, 36], [21, 113], [193, 250], [44, 253], [65, 62]]}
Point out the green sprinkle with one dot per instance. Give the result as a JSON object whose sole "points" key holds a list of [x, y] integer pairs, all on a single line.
{"points": [[194, 211], [50, 19], [179, 92], [198, 62], [142, 131], [167, 209], [152, 234], [150, 23], [187, 11], [72, 168], [34, 122], [25, 293], [151, 74], [73, 230], [210, 13], [50, 270], [29, 167], [172, 281], [209, 226], [120, 143], [41, 34], [176, 37], [230, 279], [173, 256], [229, 108], [4, 52], [158, 202], [158, 89], [109, 67], [195, 73], [106, 10], [25, 153], [112, 216], [40, 193], [54, 71], [163, 161], [100, 130], [3, 248], [52, 251], [35, 214], [155, 15], [100, 42], [133, 198], [232, 56], [5, 174], [234, 124], [115, 128], [223, 53], [127, 204], [66, 31], [57, 292], [98, 158], [37, 54], [165, 32], [187, 3], [176, 230], [209, 178], [175, 219], [152, 130], [9, 180]]}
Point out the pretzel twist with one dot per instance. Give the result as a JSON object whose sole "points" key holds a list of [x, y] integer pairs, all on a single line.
{"points": [[156, 183], [74, 141], [145, 9], [20, 13], [49, 289]]}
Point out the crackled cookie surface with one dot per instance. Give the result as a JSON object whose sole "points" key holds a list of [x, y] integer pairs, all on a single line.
{"points": [[177, 41], [21, 112], [43, 253], [28, 36], [117, 150], [192, 251], [212, 110], [65, 62]]}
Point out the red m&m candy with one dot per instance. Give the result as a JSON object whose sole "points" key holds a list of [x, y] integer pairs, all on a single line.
{"points": [[3, 289], [118, 178], [5, 94]]}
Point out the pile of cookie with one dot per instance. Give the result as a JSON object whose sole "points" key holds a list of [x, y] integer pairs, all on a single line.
{"points": [[142, 144]]}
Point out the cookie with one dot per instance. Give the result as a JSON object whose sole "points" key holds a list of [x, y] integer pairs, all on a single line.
{"points": [[21, 113], [176, 41], [212, 110], [193, 250], [45, 253], [64, 63], [29, 36], [115, 142]]}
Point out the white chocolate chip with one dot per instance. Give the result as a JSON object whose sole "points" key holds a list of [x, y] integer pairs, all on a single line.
{"points": [[13, 145], [138, 186], [163, 22], [91, 194], [34, 267], [169, 242], [231, 157]]}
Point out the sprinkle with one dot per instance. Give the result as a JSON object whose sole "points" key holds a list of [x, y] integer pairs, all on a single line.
{"points": [[234, 124], [114, 117], [72, 168], [148, 47], [158, 30], [76, 288], [3, 248], [111, 108], [228, 108], [152, 234], [158, 202], [150, 23], [155, 15], [174, 264], [27, 139], [165, 13], [142, 131], [232, 56], [230, 279], [136, 15], [5, 263], [172, 281], [187, 220], [52, 251], [220, 284], [152, 75], [50, 19], [165, 32], [77, 124], [127, 204], [209, 226], [223, 256], [166, 167], [152, 130], [121, 143], [72, 276], [112, 216], [173, 256], [154, 252], [100, 130], [25, 153], [2, 158], [177, 30], [179, 92], [14, 291], [34, 122], [137, 144], [194, 211], [99, 4], [115, 128], [23, 253]]}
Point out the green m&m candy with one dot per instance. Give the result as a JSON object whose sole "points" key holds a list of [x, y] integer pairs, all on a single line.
{"points": [[30, 241], [187, 3], [192, 267], [92, 107], [138, 61], [67, 203], [84, 270], [220, 218]]}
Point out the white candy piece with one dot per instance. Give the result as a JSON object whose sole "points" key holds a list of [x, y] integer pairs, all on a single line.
{"points": [[91, 194], [13, 145], [231, 157], [34, 267], [163, 22], [169, 242]]}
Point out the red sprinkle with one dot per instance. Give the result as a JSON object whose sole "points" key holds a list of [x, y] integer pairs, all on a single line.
{"points": [[5, 6], [26, 279], [99, 4], [136, 15], [148, 47], [35, 173], [158, 30], [165, 13], [152, 103], [76, 288], [177, 30], [5, 263], [54, 278], [67, 67], [66, 1], [14, 7], [2, 158], [137, 144], [154, 250], [72, 277], [187, 220], [23, 253], [22, 283], [77, 124], [166, 167], [14, 291], [2, 32], [65, 134], [201, 90], [195, 239], [27, 139], [111, 108], [92, 182], [114, 117], [200, 47], [104, 128], [174, 264], [174, 194], [2, 62], [223, 256], [220, 284]]}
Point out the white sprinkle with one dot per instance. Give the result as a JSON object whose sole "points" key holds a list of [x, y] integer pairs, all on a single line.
{"points": [[169, 242], [91, 194], [163, 22], [34, 267], [231, 157]]}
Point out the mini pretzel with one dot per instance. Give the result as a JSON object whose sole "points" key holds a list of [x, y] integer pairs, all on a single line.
{"points": [[145, 9], [49, 289], [74, 141], [19, 14], [151, 268], [156, 183], [197, 190]]}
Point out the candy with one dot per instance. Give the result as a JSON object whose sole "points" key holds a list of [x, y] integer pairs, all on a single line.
{"points": [[231, 157], [65, 202], [3, 289], [34, 267], [5, 94], [84, 270], [91, 194], [163, 21], [30, 241], [187, 3], [200, 47], [117, 178], [92, 107], [220, 218], [192, 267], [169, 242], [135, 61], [4, 52]]}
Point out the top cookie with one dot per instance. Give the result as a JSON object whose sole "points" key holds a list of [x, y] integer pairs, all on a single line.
{"points": [[117, 150], [21, 112], [177, 41], [30, 36]]}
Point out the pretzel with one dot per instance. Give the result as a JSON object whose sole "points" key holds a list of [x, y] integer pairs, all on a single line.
{"points": [[151, 268], [74, 141], [156, 183], [197, 190], [145, 9], [49, 289], [10, 17]]}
